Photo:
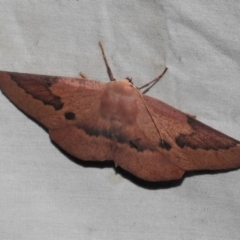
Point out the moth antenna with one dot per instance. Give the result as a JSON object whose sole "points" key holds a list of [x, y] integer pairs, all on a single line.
{"points": [[109, 71], [154, 80], [149, 112]]}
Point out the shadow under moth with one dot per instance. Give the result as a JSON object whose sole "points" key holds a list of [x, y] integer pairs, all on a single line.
{"points": [[99, 121]]}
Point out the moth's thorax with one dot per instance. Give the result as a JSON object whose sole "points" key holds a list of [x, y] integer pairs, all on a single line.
{"points": [[119, 101]]}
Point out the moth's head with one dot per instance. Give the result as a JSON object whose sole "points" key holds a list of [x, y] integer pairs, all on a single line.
{"points": [[125, 81], [121, 86]]}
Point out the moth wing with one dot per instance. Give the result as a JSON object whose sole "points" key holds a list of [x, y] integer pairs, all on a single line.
{"points": [[61, 105], [190, 144]]}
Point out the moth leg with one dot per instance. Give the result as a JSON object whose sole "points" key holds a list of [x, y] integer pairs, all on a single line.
{"points": [[109, 71], [191, 116], [82, 75], [155, 80]]}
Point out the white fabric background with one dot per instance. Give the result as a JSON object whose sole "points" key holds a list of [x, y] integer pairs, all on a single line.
{"points": [[45, 195]]}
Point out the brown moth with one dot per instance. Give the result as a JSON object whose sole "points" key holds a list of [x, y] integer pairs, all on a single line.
{"points": [[115, 121]]}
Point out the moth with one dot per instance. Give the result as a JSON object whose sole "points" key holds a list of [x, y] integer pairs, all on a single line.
{"points": [[99, 121]]}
